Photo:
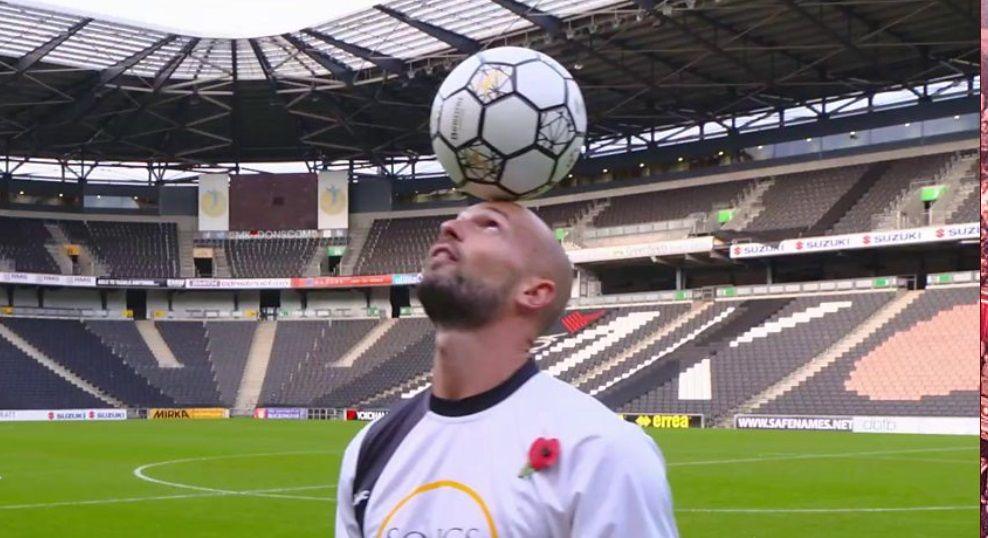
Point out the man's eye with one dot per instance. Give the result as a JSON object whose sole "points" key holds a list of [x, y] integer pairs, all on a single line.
{"points": [[492, 224]]}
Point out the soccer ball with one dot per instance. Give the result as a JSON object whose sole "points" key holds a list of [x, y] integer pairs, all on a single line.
{"points": [[508, 123]]}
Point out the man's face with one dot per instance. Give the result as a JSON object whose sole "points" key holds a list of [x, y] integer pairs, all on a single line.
{"points": [[473, 267]]}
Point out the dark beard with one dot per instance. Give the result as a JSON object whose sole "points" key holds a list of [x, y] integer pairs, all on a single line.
{"points": [[457, 303]]}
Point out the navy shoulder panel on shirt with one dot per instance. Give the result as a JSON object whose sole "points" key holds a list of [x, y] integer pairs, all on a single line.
{"points": [[379, 444]]}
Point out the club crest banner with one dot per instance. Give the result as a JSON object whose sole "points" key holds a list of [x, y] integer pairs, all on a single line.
{"points": [[333, 201], [214, 202]]}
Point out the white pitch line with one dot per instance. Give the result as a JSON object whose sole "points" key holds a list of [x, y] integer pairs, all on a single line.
{"points": [[819, 456], [139, 472], [157, 498], [213, 492]]}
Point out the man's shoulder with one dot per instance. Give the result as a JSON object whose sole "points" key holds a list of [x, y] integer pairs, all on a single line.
{"points": [[580, 412], [396, 422]]}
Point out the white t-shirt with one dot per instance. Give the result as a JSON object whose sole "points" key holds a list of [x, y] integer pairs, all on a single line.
{"points": [[450, 469]]}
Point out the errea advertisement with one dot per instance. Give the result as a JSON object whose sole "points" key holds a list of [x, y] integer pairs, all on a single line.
{"points": [[666, 421], [886, 238]]}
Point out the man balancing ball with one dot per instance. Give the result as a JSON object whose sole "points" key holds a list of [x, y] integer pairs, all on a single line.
{"points": [[497, 448]]}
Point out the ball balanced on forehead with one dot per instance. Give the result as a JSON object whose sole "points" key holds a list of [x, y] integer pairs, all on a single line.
{"points": [[508, 123]]}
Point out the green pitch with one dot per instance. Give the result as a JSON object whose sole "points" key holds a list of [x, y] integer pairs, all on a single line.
{"points": [[268, 479]]}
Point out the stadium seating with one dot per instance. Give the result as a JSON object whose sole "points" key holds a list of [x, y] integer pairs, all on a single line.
{"points": [[136, 249], [892, 184], [798, 201], [397, 245], [562, 215], [187, 340], [313, 372], [84, 353], [400, 245], [669, 205], [611, 335], [706, 357], [967, 210], [22, 246], [923, 362], [26, 384], [293, 342], [402, 353], [750, 361], [229, 343], [255, 258], [191, 385]]}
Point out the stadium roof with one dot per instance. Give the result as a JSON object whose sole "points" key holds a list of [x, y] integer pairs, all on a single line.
{"points": [[360, 86]]}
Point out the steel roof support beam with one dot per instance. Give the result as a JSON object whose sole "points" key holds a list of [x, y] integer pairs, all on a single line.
{"points": [[969, 18], [336, 110], [845, 42], [90, 96], [554, 26], [460, 42], [160, 79], [771, 44], [301, 133], [385, 62], [546, 21], [339, 69], [711, 47], [235, 122], [36, 55]]}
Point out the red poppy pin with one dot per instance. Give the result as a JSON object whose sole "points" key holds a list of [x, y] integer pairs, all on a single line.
{"points": [[543, 453]]}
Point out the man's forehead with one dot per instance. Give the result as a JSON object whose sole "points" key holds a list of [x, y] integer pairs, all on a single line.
{"points": [[505, 210]]}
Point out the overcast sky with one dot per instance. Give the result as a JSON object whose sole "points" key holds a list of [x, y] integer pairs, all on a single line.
{"points": [[211, 18]]}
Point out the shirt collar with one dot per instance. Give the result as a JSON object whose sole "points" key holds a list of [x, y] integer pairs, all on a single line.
{"points": [[487, 399]]}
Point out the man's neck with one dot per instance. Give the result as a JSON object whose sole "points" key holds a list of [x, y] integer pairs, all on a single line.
{"points": [[470, 362]]}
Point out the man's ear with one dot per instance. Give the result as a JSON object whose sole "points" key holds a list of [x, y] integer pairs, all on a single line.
{"points": [[536, 294]]}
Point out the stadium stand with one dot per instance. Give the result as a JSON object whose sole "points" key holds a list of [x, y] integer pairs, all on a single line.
{"points": [[293, 341], [229, 343], [923, 363], [393, 360], [765, 353], [397, 245], [192, 384], [796, 202], [26, 384], [297, 376], [706, 357], [22, 246], [136, 248], [967, 210], [659, 363], [669, 204], [889, 187], [271, 257], [187, 340], [319, 369], [562, 215], [83, 353]]}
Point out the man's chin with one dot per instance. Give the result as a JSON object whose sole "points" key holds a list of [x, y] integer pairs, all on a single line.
{"points": [[438, 267]]}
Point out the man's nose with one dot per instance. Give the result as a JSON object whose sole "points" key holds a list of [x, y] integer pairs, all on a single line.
{"points": [[450, 230]]}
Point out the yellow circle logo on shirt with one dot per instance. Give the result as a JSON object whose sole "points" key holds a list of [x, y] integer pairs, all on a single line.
{"points": [[463, 508]]}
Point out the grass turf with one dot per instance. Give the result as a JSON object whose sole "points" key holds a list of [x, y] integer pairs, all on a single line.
{"points": [[77, 479]]}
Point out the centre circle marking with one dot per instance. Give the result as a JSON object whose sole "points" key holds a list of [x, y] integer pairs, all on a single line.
{"points": [[276, 493]]}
